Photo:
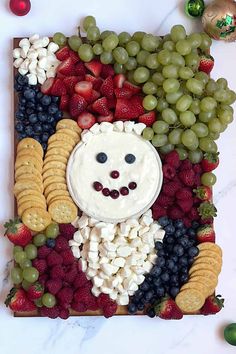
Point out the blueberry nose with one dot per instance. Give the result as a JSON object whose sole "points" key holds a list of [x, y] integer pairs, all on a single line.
{"points": [[114, 174]]}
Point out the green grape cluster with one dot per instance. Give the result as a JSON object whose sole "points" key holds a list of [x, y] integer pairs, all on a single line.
{"points": [[193, 109]]}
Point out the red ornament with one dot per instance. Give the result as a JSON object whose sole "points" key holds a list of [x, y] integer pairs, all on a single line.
{"points": [[20, 7]]}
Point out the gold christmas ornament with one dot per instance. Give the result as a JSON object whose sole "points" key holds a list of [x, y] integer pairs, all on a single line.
{"points": [[219, 20]]}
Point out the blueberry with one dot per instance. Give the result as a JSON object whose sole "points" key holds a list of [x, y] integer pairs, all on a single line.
{"points": [[39, 108], [149, 294], [42, 117], [51, 242], [170, 229], [157, 282], [130, 158], [170, 264], [58, 115], [174, 258], [52, 109], [29, 130], [149, 278], [183, 278], [184, 242], [46, 127], [193, 251], [190, 261], [132, 309], [183, 261], [38, 128], [158, 245], [20, 115], [151, 312], [50, 119], [156, 271], [18, 87], [46, 100], [39, 96], [174, 290], [33, 118], [167, 288], [19, 127], [101, 157], [29, 93], [165, 277], [51, 131], [184, 270], [169, 239], [174, 279], [161, 253], [178, 233], [22, 135], [192, 242], [178, 224], [21, 108], [195, 224], [29, 111], [160, 261], [163, 221], [140, 306], [138, 294], [191, 232], [178, 250], [144, 286], [168, 248], [44, 137], [22, 80], [23, 100], [175, 269], [184, 230], [55, 99], [160, 292], [30, 104]]}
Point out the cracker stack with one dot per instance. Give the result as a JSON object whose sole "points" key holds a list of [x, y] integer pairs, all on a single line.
{"points": [[28, 188], [60, 205], [203, 278]]}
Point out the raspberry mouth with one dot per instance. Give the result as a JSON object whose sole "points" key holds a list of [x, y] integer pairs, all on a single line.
{"points": [[114, 193]]}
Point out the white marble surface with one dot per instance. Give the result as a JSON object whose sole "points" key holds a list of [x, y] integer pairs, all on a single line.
{"points": [[127, 334]]}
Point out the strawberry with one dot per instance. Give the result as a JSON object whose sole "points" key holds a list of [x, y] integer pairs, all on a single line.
{"points": [[168, 310], [107, 70], [137, 103], [54, 285], [128, 108], [35, 291], [185, 204], [119, 80], [206, 63], [135, 89], [170, 188], [107, 88], [67, 67], [63, 53], [17, 233], [84, 89], [100, 106], [147, 118], [77, 105], [203, 193], [108, 118], [213, 304], [123, 92], [111, 103], [96, 81], [70, 82], [207, 210], [74, 56], [47, 86], [210, 162], [158, 211], [17, 301], [206, 233], [95, 67], [187, 177], [168, 171], [64, 101], [86, 120], [94, 96], [58, 88], [80, 69], [184, 193], [172, 158], [175, 213]]}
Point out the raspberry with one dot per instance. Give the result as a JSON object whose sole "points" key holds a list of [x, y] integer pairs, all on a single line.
{"points": [[185, 204], [52, 312], [93, 305], [173, 159], [193, 214], [54, 285], [158, 211], [186, 165], [197, 181], [197, 168], [175, 213], [61, 244], [164, 200], [82, 295], [67, 257], [71, 273], [64, 314], [187, 222], [171, 188], [40, 265], [43, 278], [57, 272], [67, 230], [79, 306], [65, 296], [43, 251], [184, 193], [169, 171], [187, 177], [54, 258], [103, 300], [110, 309]]}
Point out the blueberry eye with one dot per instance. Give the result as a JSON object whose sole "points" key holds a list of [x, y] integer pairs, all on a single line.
{"points": [[101, 157], [130, 158]]}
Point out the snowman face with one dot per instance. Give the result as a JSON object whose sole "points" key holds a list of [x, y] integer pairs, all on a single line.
{"points": [[114, 176]]}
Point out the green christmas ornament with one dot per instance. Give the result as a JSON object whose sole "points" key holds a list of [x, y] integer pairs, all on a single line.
{"points": [[194, 8], [230, 334]]}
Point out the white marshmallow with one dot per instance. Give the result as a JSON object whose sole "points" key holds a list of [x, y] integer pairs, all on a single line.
{"points": [[111, 255], [32, 54], [140, 279], [76, 252], [152, 258], [95, 128], [118, 126], [53, 47], [103, 275], [78, 237], [109, 246], [136, 242], [94, 265], [104, 260], [109, 269], [95, 291], [84, 265], [125, 272], [154, 227], [93, 246], [133, 233], [120, 240], [132, 222], [85, 233], [124, 251], [91, 272], [25, 64], [24, 43], [98, 281], [106, 290], [34, 38], [147, 266], [120, 288], [159, 235], [138, 128], [122, 299], [17, 63], [51, 72], [124, 229], [24, 52], [116, 280], [73, 243], [38, 43], [146, 220], [93, 256], [92, 222], [113, 295], [22, 71], [148, 213], [128, 126], [40, 72], [45, 41], [143, 230], [119, 262], [43, 63], [106, 127], [42, 52], [16, 53]]}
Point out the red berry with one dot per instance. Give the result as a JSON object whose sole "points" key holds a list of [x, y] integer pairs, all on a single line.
{"points": [[169, 171], [43, 278], [110, 309], [57, 272], [106, 192], [172, 158], [80, 281], [158, 211], [132, 185], [44, 251], [185, 165], [115, 174], [61, 244], [97, 186], [70, 274], [103, 300], [54, 259], [147, 118], [84, 89], [124, 191], [164, 200], [54, 285], [170, 188], [95, 67], [79, 306], [67, 230], [184, 193], [86, 120], [107, 88], [187, 177], [175, 213], [40, 265], [52, 312], [64, 314], [185, 205], [65, 296], [114, 194], [107, 70], [67, 257]]}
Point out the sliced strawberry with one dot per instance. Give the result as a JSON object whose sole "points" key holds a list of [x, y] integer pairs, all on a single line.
{"points": [[123, 92], [107, 70], [74, 56], [94, 96], [58, 88], [84, 89], [96, 81], [95, 67], [137, 102], [70, 82], [119, 80], [63, 53], [111, 103], [77, 105], [107, 88], [86, 120], [80, 69], [147, 118], [129, 108], [47, 86], [64, 102], [134, 88], [108, 118], [67, 67], [100, 106]]}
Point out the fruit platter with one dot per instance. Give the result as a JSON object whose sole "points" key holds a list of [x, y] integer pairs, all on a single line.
{"points": [[115, 148]]}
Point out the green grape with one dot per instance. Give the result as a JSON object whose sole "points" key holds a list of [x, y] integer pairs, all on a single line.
{"points": [[195, 156], [149, 102], [211, 87], [160, 127], [120, 55], [184, 103], [171, 85], [39, 240], [105, 34], [60, 39], [19, 256], [30, 274], [131, 64], [169, 45], [195, 86], [110, 42], [231, 97], [200, 129], [223, 127], [149, 88], [208, 104], [185, 73], [207, 145], [195, 39], [214, 125], [48, 300], [230, 334], [17, 249], [130, 76], [119, 68], [166, 149], [187, 118], [159, 140], [124, 37], [214, 136], [38, 302], [201, 76], [152, 61], [177, 33], [88, 21], [195, 106], [225, 116], [164, 57], [52, 230], [208, 179], [16, 275], [93, 33], [173, 97], [141, 75], [31, 251], [170, 71], [221, 95], [158, 78], [192, 61], [167, 37], [97, 49], [149, 42], [132, 48], [182, 153], [206, 42], [205, 117], [177, 59], [160, 92], [169, 116], [142, 57], [74, 42], [189, 139], [174, 136], [106, 58], [183, 47], [148, 133], [138, 36], [25, 263], [86, 52], [26, 285], [161, 104]]}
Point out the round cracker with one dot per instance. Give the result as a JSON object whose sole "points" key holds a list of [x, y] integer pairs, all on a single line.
{"points": [[27, 170], [208, 274], [53, 179], [26, 184], [61, 198], [29, 152], [58, 144], [190, 300], [54, 164], [25, 198], [30, 204], [29, 143], [201, 266], [210, 246], [214, 263], [75, 136], [196, 285], [68, 124], [61, 137], [206, 282], [55, 158], [54, 172], [63, 211], [30, 177], [56, 193], [55, 186], [58, 151], [28, 161], [208, 253], [36, 219], [27, 192]]}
